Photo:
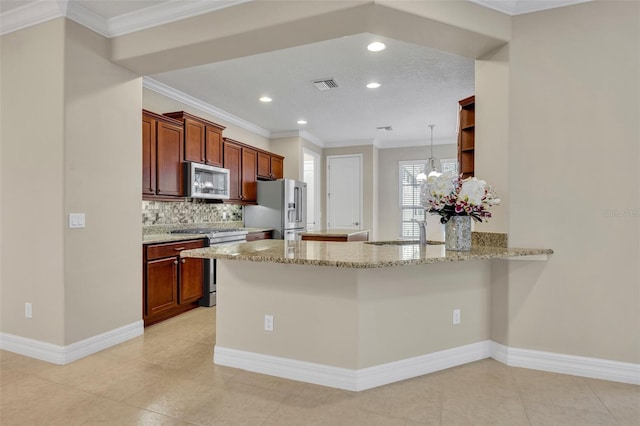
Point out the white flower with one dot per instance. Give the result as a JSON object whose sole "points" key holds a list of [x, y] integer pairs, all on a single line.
{"points": [[472, 191]]}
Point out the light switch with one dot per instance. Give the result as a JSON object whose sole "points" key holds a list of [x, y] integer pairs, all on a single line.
{"points": [[76, 220]]}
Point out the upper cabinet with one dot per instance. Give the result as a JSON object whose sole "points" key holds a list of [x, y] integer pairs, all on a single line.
{"points": [[170, 139], [202, 139], [162, 156], [242, 162], [466, 136], [270, 166]]}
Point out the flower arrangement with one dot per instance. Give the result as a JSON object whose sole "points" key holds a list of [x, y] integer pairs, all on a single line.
{"points": [[449, 195]]}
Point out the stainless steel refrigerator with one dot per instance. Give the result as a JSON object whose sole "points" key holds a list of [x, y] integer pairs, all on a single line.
{"points": [[282, 205]]}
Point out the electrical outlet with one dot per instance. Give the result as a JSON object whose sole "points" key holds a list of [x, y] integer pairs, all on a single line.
{"points": [[456, 316], [268, 323], [28, 310], [224, 215]]}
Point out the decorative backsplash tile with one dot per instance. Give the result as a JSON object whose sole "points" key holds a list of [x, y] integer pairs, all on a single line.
{"points": [[189, 211]]}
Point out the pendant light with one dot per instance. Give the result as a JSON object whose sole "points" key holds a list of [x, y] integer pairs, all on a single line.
{"points": [[433, 167]]}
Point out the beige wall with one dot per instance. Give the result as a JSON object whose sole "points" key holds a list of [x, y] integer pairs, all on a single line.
{"points": [[291, 149], [158, 103], [33, 210], [70, 143], [573, 155], [346, 317], [389, 197], [102, 162]]}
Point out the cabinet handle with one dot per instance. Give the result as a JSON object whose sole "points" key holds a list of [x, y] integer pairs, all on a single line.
{"points": [[179, 248], [184, 260], [175, 262]]}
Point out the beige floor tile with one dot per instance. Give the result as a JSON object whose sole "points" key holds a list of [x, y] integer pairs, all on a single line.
{"points": [[167, 377], [622, 400], [296, 410], [237, 403], [173, 397], [411, 400], [35, 401], [554, 415], [480, 410]]}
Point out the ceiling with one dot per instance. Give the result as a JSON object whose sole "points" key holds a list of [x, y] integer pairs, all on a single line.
{"points": [[419, 86]]}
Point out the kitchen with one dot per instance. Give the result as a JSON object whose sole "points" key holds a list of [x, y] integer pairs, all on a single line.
{"points": [[532, 117]]}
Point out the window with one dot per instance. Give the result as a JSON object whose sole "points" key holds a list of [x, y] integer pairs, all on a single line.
{"points": [[409, 189]]}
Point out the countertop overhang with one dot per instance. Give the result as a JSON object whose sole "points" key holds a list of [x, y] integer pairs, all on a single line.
{"points": [[355, 254]]}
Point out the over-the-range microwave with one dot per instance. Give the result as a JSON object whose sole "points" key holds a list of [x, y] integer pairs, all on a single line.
{"points": [[204, 181]]}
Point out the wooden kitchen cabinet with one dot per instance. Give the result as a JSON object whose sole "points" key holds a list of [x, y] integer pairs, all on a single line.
{"points": [[466, 137], [171, 285], [260, 235], [162, 156], [241, 160], [202, 139], [270, 166]]}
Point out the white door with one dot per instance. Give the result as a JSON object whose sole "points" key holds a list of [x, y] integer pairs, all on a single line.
{"points": [[344, 191], [311, 172]]}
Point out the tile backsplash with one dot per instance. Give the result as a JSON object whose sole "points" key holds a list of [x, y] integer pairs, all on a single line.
{"points": [[189, 211]]}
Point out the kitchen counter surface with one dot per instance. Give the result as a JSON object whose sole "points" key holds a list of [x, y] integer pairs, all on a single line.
{"points": [[354, 254], [334, 232], [166, 237]]}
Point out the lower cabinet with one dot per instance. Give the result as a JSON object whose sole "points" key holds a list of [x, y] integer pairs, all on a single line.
{"points": [[261, 235], [171, 284]]}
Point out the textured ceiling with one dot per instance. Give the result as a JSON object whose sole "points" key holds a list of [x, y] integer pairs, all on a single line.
{"points": [[420, 86]]}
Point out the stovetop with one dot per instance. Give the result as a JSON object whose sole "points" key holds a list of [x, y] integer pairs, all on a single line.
{"points": [[206, 230]]}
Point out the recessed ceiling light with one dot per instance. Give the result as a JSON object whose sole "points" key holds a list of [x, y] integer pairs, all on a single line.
{"points": [[376, 46], [373, 85], [302, 122], [265, 99]]}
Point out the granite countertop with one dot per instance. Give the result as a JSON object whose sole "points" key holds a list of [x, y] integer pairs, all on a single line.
{"points": [[353, 254], [163, 235], [334, 232]]}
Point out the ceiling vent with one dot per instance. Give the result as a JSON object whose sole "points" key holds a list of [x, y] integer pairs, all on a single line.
{"points": [[385, 128], [325, 84]]}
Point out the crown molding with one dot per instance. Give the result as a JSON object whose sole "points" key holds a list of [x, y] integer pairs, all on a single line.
{"points": [[189, 100], [521, 7], [164, 13], [31, 14], [85, 17], [40, 11]]}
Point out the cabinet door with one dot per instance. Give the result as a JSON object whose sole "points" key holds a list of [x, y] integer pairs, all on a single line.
{"points": [[277, 167], [191, 279], [169, 159], [249, 175], [264, 165], [232, 161], [148, 155], [213, 150], [194, 135], [162, 286]]}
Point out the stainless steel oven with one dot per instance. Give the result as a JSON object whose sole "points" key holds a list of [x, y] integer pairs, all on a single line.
{"points": [[214, 236]]}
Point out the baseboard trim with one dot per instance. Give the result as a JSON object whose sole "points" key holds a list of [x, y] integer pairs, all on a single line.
{"points": [[350, 379], [595, 368], [62, 355]]}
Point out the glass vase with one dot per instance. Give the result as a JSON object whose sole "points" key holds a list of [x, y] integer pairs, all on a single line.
{"points": [[457, 233]]}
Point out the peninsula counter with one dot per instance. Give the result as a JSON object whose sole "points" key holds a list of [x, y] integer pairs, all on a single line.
{"points": [[352, 315]]}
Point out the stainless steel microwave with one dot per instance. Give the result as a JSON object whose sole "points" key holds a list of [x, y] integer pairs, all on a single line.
{"points": [[204, 181]]}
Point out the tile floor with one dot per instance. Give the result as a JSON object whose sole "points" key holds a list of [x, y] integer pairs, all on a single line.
{"points": [[167, 377]]}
